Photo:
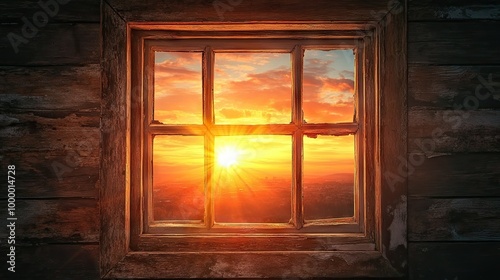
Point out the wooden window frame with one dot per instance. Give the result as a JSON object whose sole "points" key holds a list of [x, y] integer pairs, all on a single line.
{"points": [[147, 43], [377, 250]]}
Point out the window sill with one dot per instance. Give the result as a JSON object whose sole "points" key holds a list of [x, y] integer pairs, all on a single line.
{"points": [[253, 265]]}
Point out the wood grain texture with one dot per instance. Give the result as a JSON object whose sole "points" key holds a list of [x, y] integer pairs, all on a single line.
{"points": [[11, 11], [255, 10], [43, 134], [420, 10], [457, 175], [55, 220], [53, 174], [457, 219], [454, 43], [392, 134], [51, 89], [434, 132], [253, 265], [457, 260], [57, 262], [450, 86], [114, 189], [54, 44], [262, 242]]}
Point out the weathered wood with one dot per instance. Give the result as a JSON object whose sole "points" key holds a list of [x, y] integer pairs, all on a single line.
{"points": [[254, 265], [449, 86], [255, 10], [458, 175], [52, 221], [454, 260], [54, 44], [54, 88], [453, 43], [57, 262], [64, 134], [50, 174], [114, 173], [444, 219], [434, 132], [261, 242], [11, 11], [419, 10], [391, 132]]}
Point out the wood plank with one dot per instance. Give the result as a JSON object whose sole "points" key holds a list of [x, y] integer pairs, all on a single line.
{"points": [[458, 175], [55, 220], [391, 139], [445, 219], [256, 10], [57, 262], [54, 174], [53, 89], [435, 132], [260, 242], [114, 169], [11, 11], [453, 261], [453, 43], [420, 10], [446, 86], [276, 265], [71, 132], [54, 44]]}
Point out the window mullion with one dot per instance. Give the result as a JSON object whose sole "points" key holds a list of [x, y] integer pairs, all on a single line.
{"points": [[208, 121], [297, 68]]}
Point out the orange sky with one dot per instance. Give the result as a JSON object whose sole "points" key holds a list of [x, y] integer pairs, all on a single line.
{"points": [[253, 88]]}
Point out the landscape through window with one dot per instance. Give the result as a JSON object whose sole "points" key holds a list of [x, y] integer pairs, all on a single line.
{"points": [[252, 173]]}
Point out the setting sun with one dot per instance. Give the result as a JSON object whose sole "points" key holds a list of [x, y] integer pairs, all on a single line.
{"points": [[227, 156]]}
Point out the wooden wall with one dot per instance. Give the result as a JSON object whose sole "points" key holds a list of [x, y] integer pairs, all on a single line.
{"points": [[51, 91], [454, 193], [49, 124]]}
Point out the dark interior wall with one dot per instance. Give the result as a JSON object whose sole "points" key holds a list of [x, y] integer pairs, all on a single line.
{"points": [[454, 203], [49, 128]]}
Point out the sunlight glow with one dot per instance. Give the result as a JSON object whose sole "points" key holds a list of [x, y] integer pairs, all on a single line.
{"points": [[228, 156]]}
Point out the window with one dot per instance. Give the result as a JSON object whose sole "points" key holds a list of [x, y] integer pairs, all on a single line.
{"points": [[216, 167], [248, 134]]}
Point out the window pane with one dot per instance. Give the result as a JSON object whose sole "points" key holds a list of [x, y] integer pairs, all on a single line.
{"points": [[178, 182], [178, 88], [252, 88], [253, 179], [328, 87], [328, 177]]}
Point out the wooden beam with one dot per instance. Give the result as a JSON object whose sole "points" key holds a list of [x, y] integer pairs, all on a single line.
{"points": [[114, 172], [256, 10], [254, 265]]}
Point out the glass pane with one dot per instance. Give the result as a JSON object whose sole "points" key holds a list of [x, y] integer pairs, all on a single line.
{"points": [[178, 178], [328, 177], [178, 88], [253, 179], [328, 86], [252, 88]]}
